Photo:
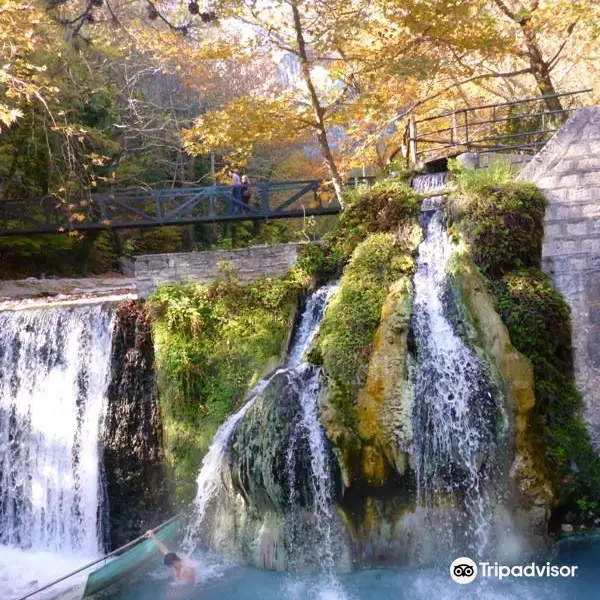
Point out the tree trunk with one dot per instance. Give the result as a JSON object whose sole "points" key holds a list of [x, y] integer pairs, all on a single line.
{"points": [[318, 111], [84, 251], [189, 238], [540, 68]]}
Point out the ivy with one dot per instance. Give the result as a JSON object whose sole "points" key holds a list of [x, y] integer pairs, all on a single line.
{"points": [[212, 343]]}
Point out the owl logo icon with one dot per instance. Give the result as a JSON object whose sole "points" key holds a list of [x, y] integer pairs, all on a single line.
{"points": [[463, 570]]}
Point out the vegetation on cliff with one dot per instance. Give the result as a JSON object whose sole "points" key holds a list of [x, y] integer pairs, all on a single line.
{"points": [[379, 232], [539, 323], [389, 206], [348, 330], [212, 343], [503, 222], [501, 219]]}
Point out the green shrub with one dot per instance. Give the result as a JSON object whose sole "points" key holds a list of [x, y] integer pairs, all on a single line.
{"points": [[102, 256], [157, 240], [212, 342], [320, 262], [24, 256], [383, 207], [475, 181], [538, 320], [503, 224]]}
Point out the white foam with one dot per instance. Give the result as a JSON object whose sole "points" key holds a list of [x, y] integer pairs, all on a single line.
{"points": [[24, 571]]}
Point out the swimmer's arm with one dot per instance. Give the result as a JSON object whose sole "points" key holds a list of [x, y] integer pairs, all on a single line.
{"points": [[150, 536]]}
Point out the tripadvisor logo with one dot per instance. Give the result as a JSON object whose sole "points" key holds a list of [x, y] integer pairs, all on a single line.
{"points": [[464, 570]]}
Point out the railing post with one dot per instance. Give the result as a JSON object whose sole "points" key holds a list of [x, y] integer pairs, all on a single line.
{"points": [[264, 199], [467, 131], [212, 201], [158, 206], [412, 140], [230, 202]]}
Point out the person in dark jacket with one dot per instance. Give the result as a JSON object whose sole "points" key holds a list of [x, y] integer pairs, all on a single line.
{"points": [[246, 191]]}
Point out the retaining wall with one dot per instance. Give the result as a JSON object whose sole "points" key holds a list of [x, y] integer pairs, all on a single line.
{"points": [[249, 264], [568, 172]]}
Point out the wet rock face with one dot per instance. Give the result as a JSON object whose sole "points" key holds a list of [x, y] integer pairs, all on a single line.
{"points": [[267, 513], [528, 494], [269, 459], [136, 477]]}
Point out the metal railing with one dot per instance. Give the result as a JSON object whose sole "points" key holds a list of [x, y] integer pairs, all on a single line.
{"points": [[102, 559], [523, 126], [131, 209]]}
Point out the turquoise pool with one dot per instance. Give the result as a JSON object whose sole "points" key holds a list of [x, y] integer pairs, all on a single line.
{"points": [[220, 581]]}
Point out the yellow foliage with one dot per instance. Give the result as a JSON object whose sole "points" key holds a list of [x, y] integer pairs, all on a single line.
{"points": [[242, 124]]}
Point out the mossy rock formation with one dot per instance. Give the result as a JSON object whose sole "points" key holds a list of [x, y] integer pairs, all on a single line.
{"points": [[265, 514], [532, 495]]}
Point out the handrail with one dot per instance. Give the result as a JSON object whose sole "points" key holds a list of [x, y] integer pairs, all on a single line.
{"points": [[471, 126], [95, 562], [508, 103]]}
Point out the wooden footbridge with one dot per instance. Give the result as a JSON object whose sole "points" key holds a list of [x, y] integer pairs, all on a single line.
{"points": [[174, 206]]}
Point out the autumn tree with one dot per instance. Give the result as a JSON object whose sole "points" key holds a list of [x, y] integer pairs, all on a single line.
{"points": [[305, 33], [542, 32]]}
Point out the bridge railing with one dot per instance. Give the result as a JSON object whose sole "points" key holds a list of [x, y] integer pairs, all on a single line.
{"points": [[174, 206], [523, 126]]}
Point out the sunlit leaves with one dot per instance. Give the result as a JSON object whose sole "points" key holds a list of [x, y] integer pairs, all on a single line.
{"points": [[242, 124]]}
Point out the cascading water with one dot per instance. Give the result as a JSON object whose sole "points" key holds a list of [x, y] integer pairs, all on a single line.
{"points": [[455, 409], [308, 381], [54, 366], [209, 478], [429, 182]]}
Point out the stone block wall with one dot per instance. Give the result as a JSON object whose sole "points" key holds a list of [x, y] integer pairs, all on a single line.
{"points": [[476, 160], [249, 264], [568, 172]]}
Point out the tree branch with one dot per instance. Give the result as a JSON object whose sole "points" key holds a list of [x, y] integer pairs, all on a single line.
{"points": [[554, 59], [504, 8]]}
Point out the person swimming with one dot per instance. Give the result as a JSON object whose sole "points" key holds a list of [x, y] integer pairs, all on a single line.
{"points": [[181, 570]]}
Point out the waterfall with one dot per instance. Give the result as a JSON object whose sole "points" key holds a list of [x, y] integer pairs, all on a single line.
{"points": [[54, 365], [308, 380], [455, 409], [209, 478], [429, 182]]}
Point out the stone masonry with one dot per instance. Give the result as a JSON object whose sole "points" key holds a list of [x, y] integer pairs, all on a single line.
{"points": [[568, 172], [249, 264]]}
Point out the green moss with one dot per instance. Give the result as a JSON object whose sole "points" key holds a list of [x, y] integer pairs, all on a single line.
{"points": [[503, 223], [212, 343], [320, 262], [384, 207], [387, 206], [538, 321], [348, 329]]}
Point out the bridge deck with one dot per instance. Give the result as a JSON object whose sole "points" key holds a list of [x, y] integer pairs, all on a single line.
{"points": [[175, 206]]}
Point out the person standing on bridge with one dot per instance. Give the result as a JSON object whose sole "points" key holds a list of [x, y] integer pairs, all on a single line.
{"points": [[236, 191], [246, 192]]}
